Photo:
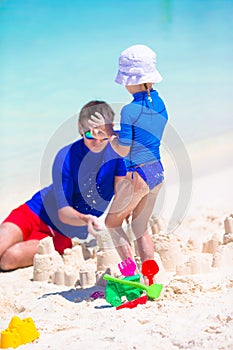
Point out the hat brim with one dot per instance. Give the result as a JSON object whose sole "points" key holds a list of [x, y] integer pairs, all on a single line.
{"points": [[127, 80]]}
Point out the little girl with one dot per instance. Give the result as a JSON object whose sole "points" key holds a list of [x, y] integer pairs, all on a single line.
{"points": [[142, 125]]}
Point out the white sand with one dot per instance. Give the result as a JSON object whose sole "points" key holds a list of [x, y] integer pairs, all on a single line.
{"points": [[194, 311]]}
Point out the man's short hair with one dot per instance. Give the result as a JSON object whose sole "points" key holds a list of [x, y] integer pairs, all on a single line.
{"points": [[95, 106]]}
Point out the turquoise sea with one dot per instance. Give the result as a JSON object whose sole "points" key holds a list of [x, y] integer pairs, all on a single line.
{"points": [[56, 56]]}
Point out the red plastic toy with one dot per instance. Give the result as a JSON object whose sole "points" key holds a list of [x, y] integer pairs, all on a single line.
{"points": [[130, 287], [150, 269], [133, 303]]}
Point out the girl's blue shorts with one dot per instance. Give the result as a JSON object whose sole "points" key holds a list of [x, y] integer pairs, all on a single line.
{"points": [[152, 173]]}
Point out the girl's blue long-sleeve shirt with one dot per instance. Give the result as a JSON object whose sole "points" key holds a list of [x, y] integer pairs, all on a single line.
{"points": [[142, 126]]}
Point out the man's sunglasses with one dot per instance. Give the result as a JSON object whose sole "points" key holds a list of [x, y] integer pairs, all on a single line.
{"points": [[89, 135]]}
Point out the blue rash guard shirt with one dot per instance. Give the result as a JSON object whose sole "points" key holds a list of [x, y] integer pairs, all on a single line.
{"points": [[142, 125], [83, 180]]}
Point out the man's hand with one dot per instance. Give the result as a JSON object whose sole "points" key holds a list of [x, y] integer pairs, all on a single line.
{"points": [[93, 224]]}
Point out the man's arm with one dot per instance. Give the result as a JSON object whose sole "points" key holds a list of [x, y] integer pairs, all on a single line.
{"points": [[70, 216]]}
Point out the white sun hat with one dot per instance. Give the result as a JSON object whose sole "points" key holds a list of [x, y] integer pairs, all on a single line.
{"points": [[137, 65]]}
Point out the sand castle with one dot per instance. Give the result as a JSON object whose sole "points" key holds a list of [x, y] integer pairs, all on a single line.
{"points": [[18, 332], [107, 257], [167, 246], [223, 256], [85, 264], [77, 265], [46, 261], [196, 264], [50, 266], [215, 253], [195, 257], [228, 224], [211, 246]]}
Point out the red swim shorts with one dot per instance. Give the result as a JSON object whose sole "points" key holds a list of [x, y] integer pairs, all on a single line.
{"points": [[33, 227]]}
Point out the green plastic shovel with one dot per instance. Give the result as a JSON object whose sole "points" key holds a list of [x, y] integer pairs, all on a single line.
{"points": [[153, 291]]}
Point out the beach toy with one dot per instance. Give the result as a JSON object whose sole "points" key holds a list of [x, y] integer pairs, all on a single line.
{"points": [[133, 303], [19, 332], [115, 291], [97, 294], [150, 269], [153, 291], [127, 267]]}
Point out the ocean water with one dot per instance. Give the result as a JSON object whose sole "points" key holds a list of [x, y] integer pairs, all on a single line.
{"points": [[56, 56]]}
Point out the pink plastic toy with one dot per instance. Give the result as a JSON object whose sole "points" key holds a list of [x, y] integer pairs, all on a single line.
{"points": [[127, 267]]}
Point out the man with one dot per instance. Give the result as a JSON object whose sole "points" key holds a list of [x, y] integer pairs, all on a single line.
{"points": [[85, 175]]}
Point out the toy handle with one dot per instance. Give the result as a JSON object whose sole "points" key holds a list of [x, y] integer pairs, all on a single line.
{"points": [[126, 282], [150, 279]]}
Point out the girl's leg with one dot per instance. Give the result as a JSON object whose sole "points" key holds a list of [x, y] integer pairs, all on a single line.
{"points": [[128, 194], [140, 219], [121, 243]]}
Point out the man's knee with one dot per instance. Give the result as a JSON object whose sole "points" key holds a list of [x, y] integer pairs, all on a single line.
{"points": [[10, 259]]}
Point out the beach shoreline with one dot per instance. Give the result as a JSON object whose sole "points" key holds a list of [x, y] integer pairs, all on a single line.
{"points": [[208, 157]]}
